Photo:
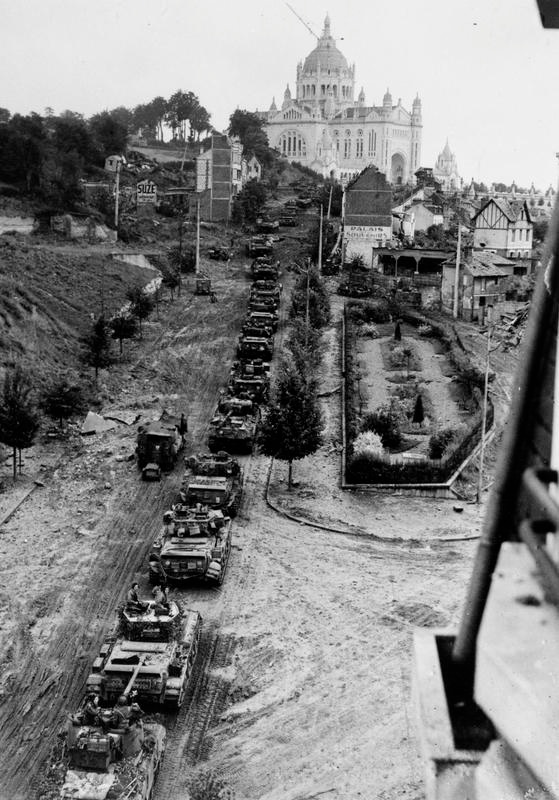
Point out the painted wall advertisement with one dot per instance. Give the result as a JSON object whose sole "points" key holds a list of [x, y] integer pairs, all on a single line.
{"points": [[368, 232]]}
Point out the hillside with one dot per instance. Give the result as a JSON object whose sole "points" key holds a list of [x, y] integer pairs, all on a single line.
{"points": [[47, 297]]}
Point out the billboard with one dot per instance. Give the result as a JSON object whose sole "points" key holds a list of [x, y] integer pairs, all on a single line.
{"points": [[146, 192]]}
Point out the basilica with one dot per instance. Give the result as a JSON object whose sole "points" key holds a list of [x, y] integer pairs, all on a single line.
{"points": [[325, 128]]}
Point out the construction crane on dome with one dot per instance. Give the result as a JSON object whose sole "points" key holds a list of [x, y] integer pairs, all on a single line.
{"points": [[307, 26]]}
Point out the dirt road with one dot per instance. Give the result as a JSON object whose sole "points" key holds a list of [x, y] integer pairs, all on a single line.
{"points": [[303, 681]]}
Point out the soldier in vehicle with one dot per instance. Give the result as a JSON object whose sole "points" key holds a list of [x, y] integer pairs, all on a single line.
{"points": [[126, 713], [133, 602], [91, 709], [183, 428], [160, 595], [155, 567]]}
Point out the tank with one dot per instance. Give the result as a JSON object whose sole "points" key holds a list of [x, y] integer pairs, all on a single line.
{"points": [[111, 759], [156, 647], [250, 367], [258, 303], [259, 246], [255, 347], [258, 329], [255, 388], [266, 286], [219, 464], [288, 221], [219, 492], [267, 225], [263, 319], [264, 271], [233, 427], [193, 544], [269, 299]]}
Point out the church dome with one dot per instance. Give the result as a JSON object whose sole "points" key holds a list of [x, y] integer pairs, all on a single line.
{"points": [[325, 54]]}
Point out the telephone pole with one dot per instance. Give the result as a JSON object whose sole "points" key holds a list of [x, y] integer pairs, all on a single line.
{"points": [[197, 266]]}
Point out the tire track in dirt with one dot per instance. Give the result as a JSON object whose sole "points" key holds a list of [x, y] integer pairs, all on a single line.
{"points": [[50, 680], [189, 740]]}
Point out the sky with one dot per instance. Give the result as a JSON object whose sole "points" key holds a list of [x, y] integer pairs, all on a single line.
{"points": [[483, 69]]}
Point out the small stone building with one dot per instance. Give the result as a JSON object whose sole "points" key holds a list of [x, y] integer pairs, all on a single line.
{"points": [[481, 284]]}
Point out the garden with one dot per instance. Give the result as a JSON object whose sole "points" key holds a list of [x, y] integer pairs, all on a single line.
{"points": [[413, 400]]}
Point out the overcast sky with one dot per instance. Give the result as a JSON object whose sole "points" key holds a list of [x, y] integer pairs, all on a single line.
{"points": [[485, 70]]}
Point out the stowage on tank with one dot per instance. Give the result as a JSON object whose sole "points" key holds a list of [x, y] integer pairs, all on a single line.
{"points": [[154, 644], [233, 426], [111, 753], [193, 544]]}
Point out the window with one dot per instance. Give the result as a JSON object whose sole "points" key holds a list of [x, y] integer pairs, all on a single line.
{"points": [[292, 144], [359, 145]]}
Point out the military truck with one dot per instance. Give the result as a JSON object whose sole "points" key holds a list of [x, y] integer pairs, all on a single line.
{"points": [[111, 758], [151, 652], [193, 544], [233, 427], [158, 444], [203, 284], [255, 347]]}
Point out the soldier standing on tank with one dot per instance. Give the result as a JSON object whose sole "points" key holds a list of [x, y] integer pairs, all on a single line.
{"points": [[183, 429]]}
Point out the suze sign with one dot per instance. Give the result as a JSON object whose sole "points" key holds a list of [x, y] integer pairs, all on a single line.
{"points": [[146, 192]]}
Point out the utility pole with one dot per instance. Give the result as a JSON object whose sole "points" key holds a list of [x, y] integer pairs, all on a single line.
{"points": [[117, 187], [180, 257], [197, 266], [457, 272], [330, 202], [307, 314], [320, 241], [484, 412]]}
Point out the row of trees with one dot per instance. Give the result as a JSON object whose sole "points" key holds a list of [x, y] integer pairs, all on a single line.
{"points": [[292, 425], [47, 154]]}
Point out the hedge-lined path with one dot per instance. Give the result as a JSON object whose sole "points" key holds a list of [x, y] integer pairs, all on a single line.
{"points": [[438, 385]]}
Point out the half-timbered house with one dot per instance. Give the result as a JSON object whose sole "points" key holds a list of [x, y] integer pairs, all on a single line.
{"points": [[504, 227]]}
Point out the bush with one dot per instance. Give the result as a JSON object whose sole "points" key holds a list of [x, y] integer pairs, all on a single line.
{"points": [[385, 422], [441, 441], [370, 330], [367, 442], [208, 786], [372, 311]]}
